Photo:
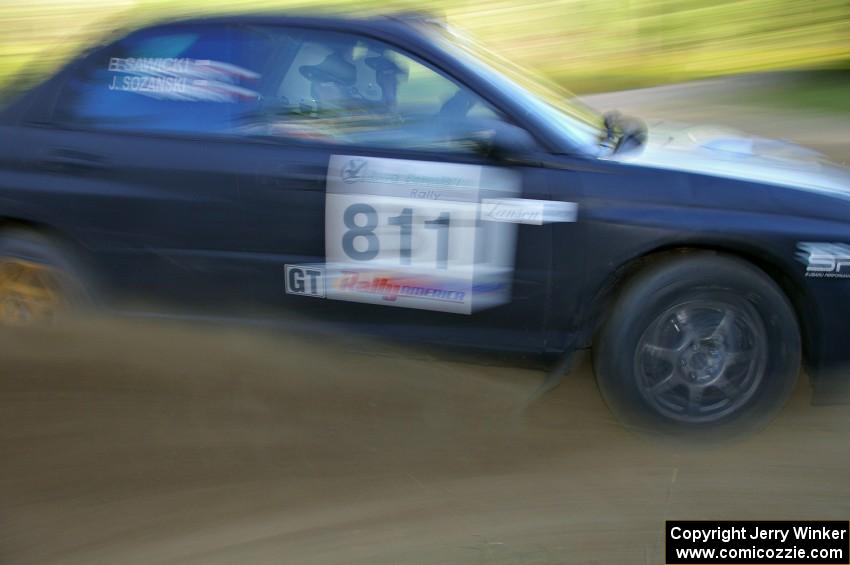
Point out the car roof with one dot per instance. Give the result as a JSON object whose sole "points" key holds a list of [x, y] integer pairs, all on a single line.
{"points": [[397, 21]]}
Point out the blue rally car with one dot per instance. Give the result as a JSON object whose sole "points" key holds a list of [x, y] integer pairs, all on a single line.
{"points": [[392, 176]]}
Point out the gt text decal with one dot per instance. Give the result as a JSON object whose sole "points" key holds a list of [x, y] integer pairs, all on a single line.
{"points": [[308, 280]]}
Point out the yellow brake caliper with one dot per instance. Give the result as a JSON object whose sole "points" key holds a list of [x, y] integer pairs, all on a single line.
{"points": [[29, 292]]}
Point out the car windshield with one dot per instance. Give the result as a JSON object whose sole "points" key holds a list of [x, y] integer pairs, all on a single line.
{"points": [[580, 124]]}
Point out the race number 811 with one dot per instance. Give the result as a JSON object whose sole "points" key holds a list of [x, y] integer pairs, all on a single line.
{"points": [[410, 234], [365, 232]]}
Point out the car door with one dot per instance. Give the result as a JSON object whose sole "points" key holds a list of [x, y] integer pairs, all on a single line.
{"points": [[143, 154], [373, 205]]}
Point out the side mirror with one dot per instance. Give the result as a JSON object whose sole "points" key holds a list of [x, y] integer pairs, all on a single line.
{"points": [[500, 140], [511, 142], [630, 132]]}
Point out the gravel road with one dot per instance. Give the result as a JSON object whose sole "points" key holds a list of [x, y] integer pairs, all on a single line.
{"points": [[157, 443]]}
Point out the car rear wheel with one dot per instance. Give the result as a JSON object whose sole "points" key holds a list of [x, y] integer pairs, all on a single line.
{"points": [[38, 281], [701, 342]]}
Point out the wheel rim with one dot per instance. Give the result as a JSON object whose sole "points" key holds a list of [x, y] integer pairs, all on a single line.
{"points": [[29, 292], [700, 361]]}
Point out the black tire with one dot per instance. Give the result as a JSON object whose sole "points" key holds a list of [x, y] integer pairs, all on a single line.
{"points": [[40, 249], [700, 343]]}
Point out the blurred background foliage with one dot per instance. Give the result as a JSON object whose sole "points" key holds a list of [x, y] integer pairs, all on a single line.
{"points": [[589, 45]]}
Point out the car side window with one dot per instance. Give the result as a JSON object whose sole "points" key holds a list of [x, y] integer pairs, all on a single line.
{"points": [[193, 79], [344, 89]]}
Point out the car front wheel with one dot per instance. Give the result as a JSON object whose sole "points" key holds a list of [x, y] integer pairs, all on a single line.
{"points": [[698, 342]]}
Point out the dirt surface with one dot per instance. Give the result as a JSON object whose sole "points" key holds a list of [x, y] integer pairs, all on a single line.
{"points": [[156, 443]]}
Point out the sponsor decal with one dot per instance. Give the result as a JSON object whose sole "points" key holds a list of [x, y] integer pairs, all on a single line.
{"points": [[358, 169], [526, 211], [825, 260]]}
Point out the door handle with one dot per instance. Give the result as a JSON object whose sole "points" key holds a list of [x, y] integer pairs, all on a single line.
{"points": [[289, 176], [303, 172]]}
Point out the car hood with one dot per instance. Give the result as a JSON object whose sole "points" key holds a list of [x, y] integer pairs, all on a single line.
{"points": [[728, 153]]}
